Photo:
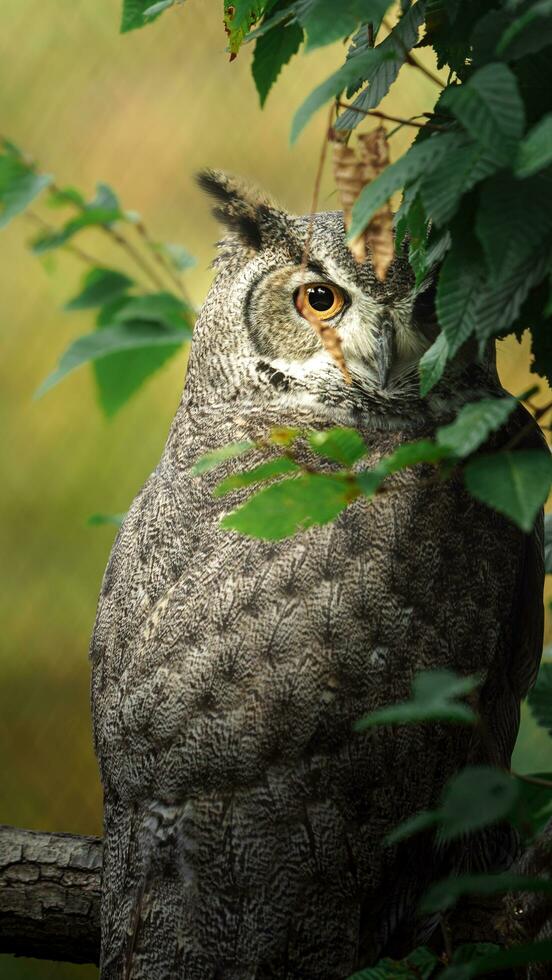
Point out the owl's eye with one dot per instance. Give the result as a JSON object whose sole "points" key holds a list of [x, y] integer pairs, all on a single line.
{"points": [[319, 300]]}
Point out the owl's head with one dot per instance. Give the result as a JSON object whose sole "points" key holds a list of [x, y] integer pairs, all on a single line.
{"points": [[253, 341]]}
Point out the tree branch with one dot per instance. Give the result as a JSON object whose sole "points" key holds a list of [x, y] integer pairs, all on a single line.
{"points": [[50, 895]]}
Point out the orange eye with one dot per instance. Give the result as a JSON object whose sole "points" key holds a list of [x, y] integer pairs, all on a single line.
{"points": [[320, 300]]}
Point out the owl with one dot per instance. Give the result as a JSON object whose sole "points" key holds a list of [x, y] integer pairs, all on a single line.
{"points": [[245, 819]]}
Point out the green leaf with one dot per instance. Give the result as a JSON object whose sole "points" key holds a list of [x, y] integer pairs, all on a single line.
{"points": [[119, 375], [517, 955], [272, 52], [65, 195], [534, 808], [412, 453], [394, 50], [133, 15], [432, 364], [443, 187], [95, 520], [217, 456], [239, 17], [418, 965], [179, 257], [445, 894], [344, 76], [514, 221], [529, 32], [344, 446], [46, 241], [420, 159], [474, 423], [423, 820], [548, 543], [265, 471], [535, 151], [158, 8], [458, 296], [434, 698], [164, 308], [514, 483], [291, 505], [325, 21], [490, 108], [110, 340], [476, 797], [99, 286], [19, 185], [540, 698]]}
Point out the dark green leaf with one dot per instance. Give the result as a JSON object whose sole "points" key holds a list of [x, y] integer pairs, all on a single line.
{"points": [[344, 76], [325, 21], [514, 221], [534, 808], [514, 483], [490, 108], [65, 195], [458, 295], [442, 188], [535, 152], [540, 698], [446, 893], [529, 32], [434, 698], [548, 543], [518, 955], [239, 17], [412, 453], [433, 363], [420, 159], [476, 797], [265, 471], [164, 308], [133, 15], [102, 343], [218, 456], [19, 185], [344, 446], [474, 423], [272, 52], [95, 520], [423, 820], [289, 506], [380, 76], [99, 286], [418, 965]]}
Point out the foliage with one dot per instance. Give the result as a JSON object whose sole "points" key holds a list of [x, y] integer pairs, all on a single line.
{"points": [[140, 322]]}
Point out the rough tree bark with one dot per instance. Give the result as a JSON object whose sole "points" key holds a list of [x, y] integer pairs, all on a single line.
{"points": [[50, 895]]}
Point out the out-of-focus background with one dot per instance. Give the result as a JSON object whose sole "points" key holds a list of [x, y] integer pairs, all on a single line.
{"points": [[143, 112]]}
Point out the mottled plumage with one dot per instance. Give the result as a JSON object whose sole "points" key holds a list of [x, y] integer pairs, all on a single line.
{"points": [[243, 817]]}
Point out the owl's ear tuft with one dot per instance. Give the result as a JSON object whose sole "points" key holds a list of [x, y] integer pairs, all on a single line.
{"points": [[241, 209]]}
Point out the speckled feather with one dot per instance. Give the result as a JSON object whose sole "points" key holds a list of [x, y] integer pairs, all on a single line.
{"points": [[243, 817]]}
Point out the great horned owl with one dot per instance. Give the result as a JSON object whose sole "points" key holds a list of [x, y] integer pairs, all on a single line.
{"points": [[244, 818]]}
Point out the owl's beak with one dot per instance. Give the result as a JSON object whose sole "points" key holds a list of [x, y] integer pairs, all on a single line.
{"points": [[385, 343]]}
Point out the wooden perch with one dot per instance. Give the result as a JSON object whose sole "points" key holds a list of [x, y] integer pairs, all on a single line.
{"points": [[50, 895]]}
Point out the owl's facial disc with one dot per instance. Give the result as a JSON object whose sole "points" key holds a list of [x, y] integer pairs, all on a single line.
{"points": [[380, 342]]}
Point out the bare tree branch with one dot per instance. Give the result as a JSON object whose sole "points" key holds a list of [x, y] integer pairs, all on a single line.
{"points": [[50, 895]]}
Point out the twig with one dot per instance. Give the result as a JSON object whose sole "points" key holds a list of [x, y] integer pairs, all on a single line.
{"points": [[388, 118], [415, 63], [162, 262], [122, 242], [534, 780], [371, 38], [526, 429], [68, 246]]}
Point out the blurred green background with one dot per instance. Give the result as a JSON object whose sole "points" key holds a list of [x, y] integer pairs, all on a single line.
{"points": [[143, 112]]}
